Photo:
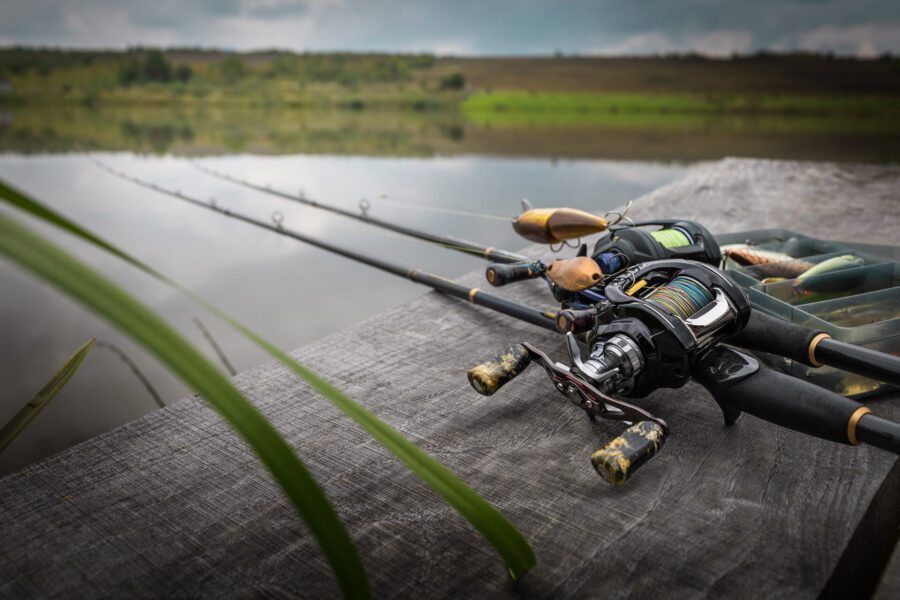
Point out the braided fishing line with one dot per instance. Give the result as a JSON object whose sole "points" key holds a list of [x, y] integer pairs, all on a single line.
{"points": [[683, 296], [441, 209]]}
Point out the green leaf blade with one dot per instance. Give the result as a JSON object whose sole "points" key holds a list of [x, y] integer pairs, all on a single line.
{"points": [[108, 300], [26, 415], [506, 539]]}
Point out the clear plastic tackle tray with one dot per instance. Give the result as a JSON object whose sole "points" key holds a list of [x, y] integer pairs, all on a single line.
{"points": [[859, 303]]}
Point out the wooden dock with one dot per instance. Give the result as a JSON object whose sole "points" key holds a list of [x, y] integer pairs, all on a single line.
{"points": [[174, 504]]}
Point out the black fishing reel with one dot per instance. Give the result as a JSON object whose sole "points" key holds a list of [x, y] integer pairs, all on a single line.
{"points": [[657, 320], [622, 247], [627, 245], [661, 325]]}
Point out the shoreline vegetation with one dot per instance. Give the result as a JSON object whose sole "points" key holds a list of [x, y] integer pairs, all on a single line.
{"points": [[208, 101]]}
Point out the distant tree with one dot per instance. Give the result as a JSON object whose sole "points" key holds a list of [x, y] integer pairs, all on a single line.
{"points": [[232, 68], [183, 73], [156, 67], [130, 71], [456, 81], [284, 64]]}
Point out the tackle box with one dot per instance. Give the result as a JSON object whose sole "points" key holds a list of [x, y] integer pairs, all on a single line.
{"points": [[859, 304]]}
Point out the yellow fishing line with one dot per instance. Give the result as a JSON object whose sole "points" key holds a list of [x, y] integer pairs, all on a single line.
{"points": [[670, 238]]}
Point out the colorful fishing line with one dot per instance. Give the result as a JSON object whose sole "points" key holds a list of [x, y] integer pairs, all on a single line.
{"points": [[682, 297]]}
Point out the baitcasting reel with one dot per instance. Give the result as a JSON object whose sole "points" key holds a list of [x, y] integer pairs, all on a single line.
{"points": [[628, 245], [659, 326], [571, 279]]}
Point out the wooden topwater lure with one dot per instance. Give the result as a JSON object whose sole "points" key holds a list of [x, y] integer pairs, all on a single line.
{"points": [[772, 264]]}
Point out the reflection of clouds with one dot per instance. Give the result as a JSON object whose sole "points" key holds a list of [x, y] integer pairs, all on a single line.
{"points": [[640, 173], [288, 291], [201, 249]]}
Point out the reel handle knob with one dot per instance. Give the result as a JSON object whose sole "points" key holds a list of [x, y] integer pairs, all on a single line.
{"points": [[620, 458], [499, 274], [490, 376], [576, 321]]}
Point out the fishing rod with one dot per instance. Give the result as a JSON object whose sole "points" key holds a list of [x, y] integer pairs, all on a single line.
{"points": [[578, 282], [447, 241], [661, 325], [664, 333], [544, 319]]}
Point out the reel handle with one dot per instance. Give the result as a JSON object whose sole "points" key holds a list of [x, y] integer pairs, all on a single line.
{"points": [[499, 274], [621, 457], [490, 376]]}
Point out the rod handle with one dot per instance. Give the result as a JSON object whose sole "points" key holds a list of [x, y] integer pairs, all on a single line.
{"points": [[621, 457], [815, 348], [880, 366], [765, 333], [490, 376], [780, 399], [499, 274], [575, 320]]}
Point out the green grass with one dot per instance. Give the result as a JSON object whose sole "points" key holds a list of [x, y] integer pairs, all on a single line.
{"points": [[521, 102], [766, 113], [26, 415]]}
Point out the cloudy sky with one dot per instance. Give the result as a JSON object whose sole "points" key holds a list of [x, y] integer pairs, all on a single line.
{"points": [[462, 27]]}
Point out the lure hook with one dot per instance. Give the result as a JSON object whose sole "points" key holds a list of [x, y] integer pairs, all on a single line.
{"points": [[622, 215], [277, 218], [364, 206]]}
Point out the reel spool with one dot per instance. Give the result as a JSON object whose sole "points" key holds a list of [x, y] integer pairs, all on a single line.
{"points": [[630, 245], [656, 322], [669, 311]]}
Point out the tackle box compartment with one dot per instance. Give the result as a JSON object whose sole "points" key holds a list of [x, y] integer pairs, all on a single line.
{"points": [[859, 304]]}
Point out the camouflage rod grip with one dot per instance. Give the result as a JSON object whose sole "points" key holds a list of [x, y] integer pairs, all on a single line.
{"points": [[620, 458], [499, 274], [489, 377]]}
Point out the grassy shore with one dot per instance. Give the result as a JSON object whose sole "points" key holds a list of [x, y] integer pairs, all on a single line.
{"points": [[759, 84], [766, 112], [196, 101]]}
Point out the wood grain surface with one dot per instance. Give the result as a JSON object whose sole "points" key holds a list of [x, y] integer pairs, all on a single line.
{"points": [[174, 505]]}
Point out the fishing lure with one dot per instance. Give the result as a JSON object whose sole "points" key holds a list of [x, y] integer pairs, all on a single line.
{"points": [[836, 263], [767, 262]]}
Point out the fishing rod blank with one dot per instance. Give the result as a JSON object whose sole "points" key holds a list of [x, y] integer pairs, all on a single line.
{"points": [[448, 241], [762, 333], [547, 320]]}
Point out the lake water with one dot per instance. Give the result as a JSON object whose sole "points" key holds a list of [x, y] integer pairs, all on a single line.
{"points": [[287, 291], [412, 169]]}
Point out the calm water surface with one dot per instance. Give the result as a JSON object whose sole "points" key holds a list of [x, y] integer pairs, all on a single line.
{"points": [[287, 291]]}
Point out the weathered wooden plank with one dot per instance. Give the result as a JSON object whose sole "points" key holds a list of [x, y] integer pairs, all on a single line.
{"points": [[174, 504]]}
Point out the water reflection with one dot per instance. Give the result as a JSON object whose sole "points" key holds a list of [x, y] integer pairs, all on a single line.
{"points": [[663, 136]]}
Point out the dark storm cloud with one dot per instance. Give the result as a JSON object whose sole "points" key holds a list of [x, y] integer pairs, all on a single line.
{"points": [[716, 27]]}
